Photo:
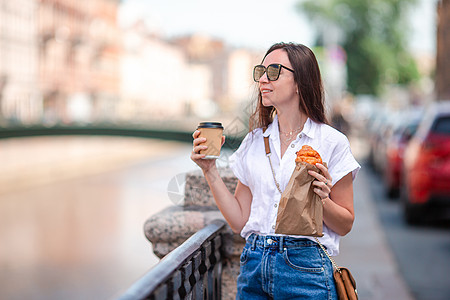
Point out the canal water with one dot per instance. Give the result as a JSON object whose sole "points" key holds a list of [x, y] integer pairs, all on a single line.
{"points": [[72, 211]]}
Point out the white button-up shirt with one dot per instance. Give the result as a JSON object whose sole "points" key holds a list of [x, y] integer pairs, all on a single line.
{"points": [[251, 166]]}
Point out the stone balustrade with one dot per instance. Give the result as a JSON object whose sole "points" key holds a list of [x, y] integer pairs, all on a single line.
{"points": [[169, 228]]}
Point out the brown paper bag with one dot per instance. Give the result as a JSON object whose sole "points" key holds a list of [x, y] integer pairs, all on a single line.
{"points": [[300, 211]]}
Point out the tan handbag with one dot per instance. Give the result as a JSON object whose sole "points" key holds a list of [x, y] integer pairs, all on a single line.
{"points": [[345, 284]]}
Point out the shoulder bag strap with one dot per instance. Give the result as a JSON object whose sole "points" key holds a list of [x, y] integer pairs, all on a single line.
{"points": [[328, 255], [266, 145], [268, 154]]}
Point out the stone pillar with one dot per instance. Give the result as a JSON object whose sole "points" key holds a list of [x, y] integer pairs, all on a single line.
{"points": [[169, 228]]}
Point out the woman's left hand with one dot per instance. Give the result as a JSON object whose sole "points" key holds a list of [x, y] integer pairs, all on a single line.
{"points": [[339, 213], [323, 184]]}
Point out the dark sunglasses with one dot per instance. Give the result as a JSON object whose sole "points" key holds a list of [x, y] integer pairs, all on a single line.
{"points": [[272, 71]]}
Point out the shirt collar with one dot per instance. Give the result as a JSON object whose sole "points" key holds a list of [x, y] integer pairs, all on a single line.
{"points": [[273, 132], [309, 128]]}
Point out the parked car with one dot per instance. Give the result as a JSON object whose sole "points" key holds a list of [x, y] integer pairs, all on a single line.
{"points": [[377, 129], [425, 192], [397, 140]]}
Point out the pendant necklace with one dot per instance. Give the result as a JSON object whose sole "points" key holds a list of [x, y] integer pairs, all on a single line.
{"points": [[290, 135]]}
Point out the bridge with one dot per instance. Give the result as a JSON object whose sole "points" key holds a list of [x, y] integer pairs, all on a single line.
{"points": [[111, 129]]}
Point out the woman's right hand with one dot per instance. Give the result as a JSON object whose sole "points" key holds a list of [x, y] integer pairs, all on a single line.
{"points": [[204, 164]]}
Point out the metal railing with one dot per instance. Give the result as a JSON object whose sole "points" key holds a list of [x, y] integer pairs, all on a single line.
{"points": [[191, 271]]}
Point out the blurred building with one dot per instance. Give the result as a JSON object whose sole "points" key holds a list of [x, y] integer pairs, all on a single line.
{"points": [[240, 87], [79, 48], [192, 75], [65, 61], [443, 50], [18, 62], [156, 82], [231, 69]]}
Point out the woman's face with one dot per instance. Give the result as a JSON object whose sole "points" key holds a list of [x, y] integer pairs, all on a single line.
{"points": [[282, 91]]}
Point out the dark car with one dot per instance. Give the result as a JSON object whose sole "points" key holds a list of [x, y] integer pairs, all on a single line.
{"points": [[396, 143], [377, 129], [425, 192]]}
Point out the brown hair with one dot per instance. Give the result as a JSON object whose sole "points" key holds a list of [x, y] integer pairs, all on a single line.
{"points": [[309, 83]]}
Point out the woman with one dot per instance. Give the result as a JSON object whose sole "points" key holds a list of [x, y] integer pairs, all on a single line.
{"points": [[291, 109]]}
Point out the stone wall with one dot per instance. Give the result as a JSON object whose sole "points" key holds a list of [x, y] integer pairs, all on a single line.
{"points": [[169, 228]]}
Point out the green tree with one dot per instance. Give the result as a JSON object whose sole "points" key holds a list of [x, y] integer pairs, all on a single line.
{"points": [[373, 34]]}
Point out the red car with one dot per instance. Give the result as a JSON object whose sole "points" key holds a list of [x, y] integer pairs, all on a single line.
{"points": [[395, 147], [426, 181]]}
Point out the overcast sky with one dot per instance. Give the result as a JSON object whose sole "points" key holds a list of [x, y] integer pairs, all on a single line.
{"points": [[253, 23]]}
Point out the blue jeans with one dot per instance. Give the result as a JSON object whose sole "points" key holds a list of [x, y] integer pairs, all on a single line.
{"points": [[274, 267]]}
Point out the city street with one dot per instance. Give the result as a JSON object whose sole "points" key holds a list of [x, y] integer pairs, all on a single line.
{"points": [[422, 252], [76, 232]]}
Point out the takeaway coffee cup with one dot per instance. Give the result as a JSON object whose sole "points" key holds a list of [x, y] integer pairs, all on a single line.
{"points": [[212, 131]]}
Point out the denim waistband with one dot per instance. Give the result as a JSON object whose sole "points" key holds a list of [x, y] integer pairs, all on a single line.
{"points": [[281, 242]]}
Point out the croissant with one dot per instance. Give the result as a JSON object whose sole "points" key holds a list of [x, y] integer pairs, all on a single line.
{"points": [[309, 155]]}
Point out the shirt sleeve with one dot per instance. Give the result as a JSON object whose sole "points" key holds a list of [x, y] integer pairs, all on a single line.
{"points": [[343, 162], [238, 160]]}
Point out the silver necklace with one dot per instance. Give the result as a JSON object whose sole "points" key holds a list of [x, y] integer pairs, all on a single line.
{"points": [[290, 135]]}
